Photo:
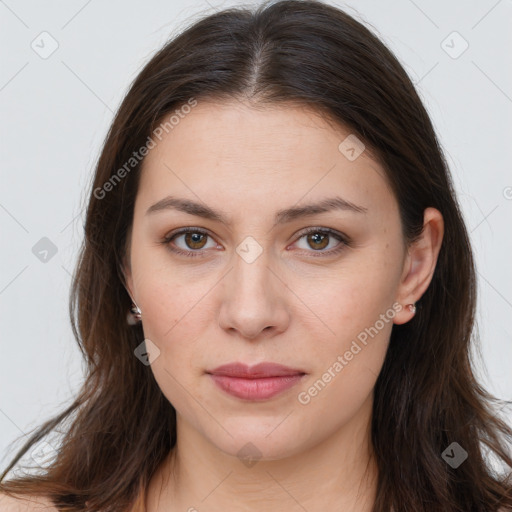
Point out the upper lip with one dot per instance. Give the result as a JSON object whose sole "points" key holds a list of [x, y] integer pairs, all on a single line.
{"points": [[260, 370]]}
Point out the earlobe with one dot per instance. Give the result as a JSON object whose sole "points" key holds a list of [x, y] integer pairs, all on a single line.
{"points": [[420, 264]]}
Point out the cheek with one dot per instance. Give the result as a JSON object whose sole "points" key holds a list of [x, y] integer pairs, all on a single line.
{"points": [[344, 302], [356, 313], [173, 313], [347, 364], [169, 294], [178, 315], [174, 318]]}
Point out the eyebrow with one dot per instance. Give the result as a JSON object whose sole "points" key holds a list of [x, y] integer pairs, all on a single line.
{"points": [[281, 217]]}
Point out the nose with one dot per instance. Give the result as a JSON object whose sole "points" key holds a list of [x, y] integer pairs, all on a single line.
{"points": [[254, 300]]}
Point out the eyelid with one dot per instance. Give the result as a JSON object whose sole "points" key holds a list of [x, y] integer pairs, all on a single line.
{"points": [[322, 229]]}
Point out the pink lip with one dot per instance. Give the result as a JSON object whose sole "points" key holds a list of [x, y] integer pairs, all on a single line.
{"points": [[258, 382]]}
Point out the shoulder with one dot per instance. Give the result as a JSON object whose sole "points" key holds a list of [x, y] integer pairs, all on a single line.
{"points": [[26, 504]]}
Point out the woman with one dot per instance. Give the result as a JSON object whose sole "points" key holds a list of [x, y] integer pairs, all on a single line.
{"points": [[273, 211]]}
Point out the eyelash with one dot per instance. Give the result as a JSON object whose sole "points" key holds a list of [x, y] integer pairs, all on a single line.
{"points": [[344, 241]]}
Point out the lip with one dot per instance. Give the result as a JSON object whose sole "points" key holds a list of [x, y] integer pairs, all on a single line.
{"points": [[258, 382], [256, 371]]}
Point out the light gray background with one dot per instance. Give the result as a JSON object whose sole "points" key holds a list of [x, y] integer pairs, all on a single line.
{"points": [[55, 113]]}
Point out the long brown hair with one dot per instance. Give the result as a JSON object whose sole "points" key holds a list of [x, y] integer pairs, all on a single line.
{"points": [[120, 427]]}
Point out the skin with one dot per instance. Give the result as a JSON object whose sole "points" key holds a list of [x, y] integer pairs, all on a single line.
{"points": [[291, 305]]}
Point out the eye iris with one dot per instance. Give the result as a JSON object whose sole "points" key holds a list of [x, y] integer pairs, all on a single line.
{"points": [[319, 238], [192, 239]]}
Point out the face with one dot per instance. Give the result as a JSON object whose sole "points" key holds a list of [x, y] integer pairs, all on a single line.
{"points": [[316, 292]]}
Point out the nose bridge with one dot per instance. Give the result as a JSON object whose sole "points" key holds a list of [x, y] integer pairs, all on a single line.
{"points": [[252, 274], [253, 299], [251, 262]]}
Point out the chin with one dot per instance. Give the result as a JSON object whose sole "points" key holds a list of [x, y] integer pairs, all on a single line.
{"points": [[255, 443]]}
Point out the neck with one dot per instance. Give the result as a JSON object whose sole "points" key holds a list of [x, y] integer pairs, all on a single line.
{"points": [[337, 474]]}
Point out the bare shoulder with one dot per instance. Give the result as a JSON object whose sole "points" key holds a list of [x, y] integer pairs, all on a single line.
{"points": [[26, 504]]}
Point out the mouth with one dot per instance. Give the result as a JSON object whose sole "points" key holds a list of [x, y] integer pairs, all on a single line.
{"points": [[260, 382]]}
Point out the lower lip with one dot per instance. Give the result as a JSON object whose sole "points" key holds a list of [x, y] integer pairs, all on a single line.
{"points": [[255, 389]]}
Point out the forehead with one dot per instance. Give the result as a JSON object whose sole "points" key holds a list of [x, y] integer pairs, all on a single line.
{"points": [[236, 130], [223, 150]]}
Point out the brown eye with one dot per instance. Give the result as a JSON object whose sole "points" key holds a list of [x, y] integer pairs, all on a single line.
{"points": [[195, 240], [189, 242], [318, 240]]}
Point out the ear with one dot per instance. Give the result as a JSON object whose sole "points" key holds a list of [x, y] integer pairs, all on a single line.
{"points": [[127, 275], [420, 263]]}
